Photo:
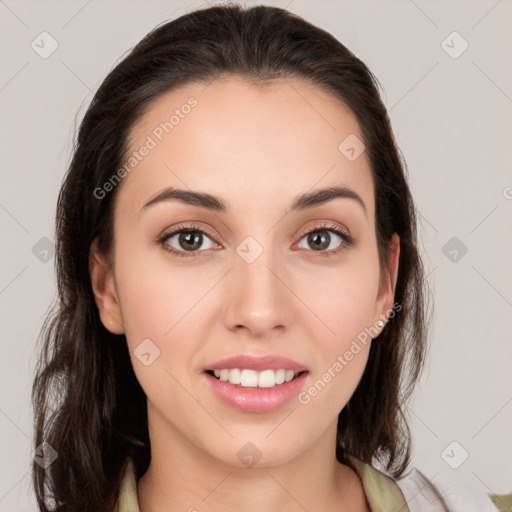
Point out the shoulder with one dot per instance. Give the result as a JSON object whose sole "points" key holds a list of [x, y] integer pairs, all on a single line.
{"points": [[416, 493], [424, 495]]}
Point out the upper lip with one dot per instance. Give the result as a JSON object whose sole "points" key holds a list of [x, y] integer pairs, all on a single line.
{"points": [[269, 362]]}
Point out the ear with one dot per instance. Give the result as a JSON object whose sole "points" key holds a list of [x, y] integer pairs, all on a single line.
{"points": [[387, 284], [103, 285]]}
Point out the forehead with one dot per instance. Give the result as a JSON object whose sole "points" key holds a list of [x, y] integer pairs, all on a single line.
{"points": [[254, 145]]}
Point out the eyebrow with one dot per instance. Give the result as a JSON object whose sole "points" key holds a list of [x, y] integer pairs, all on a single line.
{"points": [[210, 202]]}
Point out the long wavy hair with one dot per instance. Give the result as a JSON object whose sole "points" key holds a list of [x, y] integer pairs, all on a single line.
{"points": [[88, 404]]}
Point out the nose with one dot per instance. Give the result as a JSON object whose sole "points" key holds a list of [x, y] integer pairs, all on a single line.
{"points": [[259, 298]]}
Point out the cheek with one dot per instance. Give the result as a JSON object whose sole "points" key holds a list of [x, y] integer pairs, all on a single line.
{"points": [[344, 302], [340, 356], [158, 303], [154, 293], [344, 298]]}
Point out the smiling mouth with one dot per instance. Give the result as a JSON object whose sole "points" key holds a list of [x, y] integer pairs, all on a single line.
{"points": [[247, 378]]}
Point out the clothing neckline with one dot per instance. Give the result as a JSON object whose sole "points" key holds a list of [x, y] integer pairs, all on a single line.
{"points": [[382, 492]]}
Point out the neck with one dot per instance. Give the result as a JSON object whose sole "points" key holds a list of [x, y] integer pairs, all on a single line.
{"points": [[184, 477]]}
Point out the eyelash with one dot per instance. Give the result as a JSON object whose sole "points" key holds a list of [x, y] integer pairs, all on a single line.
{"points": [[348, 241]]}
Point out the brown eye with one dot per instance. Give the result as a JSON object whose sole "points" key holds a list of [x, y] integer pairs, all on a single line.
{"points": [[190, 240], [323, 240], [319, 240], [326, 240], [187, 241]]}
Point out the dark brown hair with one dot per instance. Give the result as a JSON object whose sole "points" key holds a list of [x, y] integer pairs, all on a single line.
{"points": [[88, 404]]}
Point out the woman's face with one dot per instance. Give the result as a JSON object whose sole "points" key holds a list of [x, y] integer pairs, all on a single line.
{"points": [[250, 281]]}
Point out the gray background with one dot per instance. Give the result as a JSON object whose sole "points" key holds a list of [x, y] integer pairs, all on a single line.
{"points": [[452, 120]]}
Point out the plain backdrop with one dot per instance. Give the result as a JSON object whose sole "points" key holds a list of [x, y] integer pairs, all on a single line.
{"points": [[450, 108]]}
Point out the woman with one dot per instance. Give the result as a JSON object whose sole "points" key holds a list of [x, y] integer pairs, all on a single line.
{"points": [[241, 309]]}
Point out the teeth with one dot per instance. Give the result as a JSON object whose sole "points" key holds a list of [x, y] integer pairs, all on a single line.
{"points": [[252, 379], [280, 376], [248, 378], [235, 376]]}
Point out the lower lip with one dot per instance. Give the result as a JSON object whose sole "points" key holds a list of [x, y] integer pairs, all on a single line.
{"points": [[256, 399]]}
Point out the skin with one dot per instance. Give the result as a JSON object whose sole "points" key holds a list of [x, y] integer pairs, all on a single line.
{"points": [[257, 149]]}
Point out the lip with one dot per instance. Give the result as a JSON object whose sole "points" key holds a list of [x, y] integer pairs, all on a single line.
{"points": [[258, 400], [259, 364]]}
